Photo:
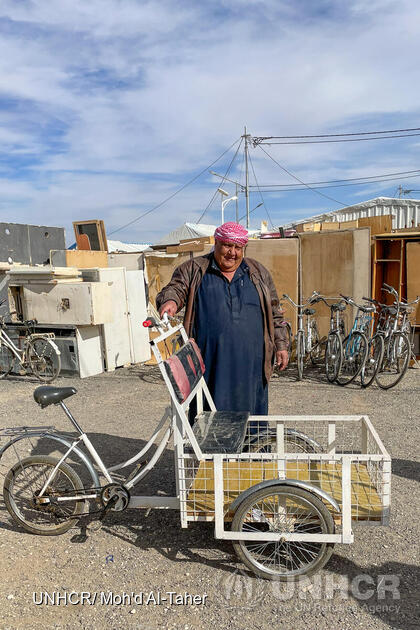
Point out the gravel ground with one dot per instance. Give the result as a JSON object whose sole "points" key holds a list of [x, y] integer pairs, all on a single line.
{"points": [[135, 553]]}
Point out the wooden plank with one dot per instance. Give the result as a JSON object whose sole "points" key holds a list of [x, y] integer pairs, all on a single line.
{"points": [[85, 259], [413, 277], [198, 239], [159, 271], [347, 225], [281, 258], [330, 225], [378, 225], [192, 246], [332, 263]]}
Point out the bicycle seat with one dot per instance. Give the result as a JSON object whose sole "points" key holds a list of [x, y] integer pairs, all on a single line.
{"points": [[391, 310], [309, 311], [367, 309], [47, 395], [340, 306]]}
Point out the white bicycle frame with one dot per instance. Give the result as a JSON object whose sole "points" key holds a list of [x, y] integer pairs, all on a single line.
{"points": [[182, 431]]}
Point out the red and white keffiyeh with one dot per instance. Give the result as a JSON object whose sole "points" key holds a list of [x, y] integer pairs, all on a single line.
{"points": [[231, 232]]}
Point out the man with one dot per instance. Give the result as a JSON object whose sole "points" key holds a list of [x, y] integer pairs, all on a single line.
{"points": [[231, 310]]}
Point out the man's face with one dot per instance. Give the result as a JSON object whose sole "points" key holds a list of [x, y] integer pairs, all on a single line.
{"points": [[228, 255]]}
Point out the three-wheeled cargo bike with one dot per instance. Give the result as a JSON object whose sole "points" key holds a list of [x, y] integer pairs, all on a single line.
{"points": [[284, 489]]}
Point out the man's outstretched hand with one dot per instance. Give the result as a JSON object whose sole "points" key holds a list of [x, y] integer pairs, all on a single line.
{"points": [[169, 307], [282, 359]]}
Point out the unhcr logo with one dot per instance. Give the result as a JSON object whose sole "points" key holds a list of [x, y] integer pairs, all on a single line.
{"points": [[240, 590]]}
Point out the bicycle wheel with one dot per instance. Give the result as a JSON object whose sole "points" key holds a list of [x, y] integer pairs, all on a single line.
{"points": [[355, 347], [7, 360], [375, 355], [283, 509], [316, 352], [43, 359], [333, 356], [22, 486], [300, 353], [395, 361], [294, 442]]}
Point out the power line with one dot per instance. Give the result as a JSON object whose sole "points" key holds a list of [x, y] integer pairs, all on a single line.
{"points": [[299, 180], [224, 177], [262, 198], [259, 142], [297, 187], [333, 181], [258, 139], [159, 205]]}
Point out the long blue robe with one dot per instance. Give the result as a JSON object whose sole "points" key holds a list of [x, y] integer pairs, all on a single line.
{"points": [[228, 328]]}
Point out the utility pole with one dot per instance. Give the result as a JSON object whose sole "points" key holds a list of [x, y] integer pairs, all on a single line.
{"points": [[237, 207], [246, 179]]}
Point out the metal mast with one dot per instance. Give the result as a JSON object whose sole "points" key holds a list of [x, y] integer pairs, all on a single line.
{"points": [[246, 179]]}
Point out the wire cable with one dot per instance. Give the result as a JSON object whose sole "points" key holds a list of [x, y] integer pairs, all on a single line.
{"points": [[297, 187], [159, 205], [259, 143], [262, 198], [336, 135], [299, 180], [333, 181], [224, 177]]}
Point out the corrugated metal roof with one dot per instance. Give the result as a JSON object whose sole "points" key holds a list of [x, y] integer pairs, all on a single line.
{"points": [[405, 212]]}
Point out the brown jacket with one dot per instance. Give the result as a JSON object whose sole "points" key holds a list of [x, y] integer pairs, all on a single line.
{"points": [[183, 287]]}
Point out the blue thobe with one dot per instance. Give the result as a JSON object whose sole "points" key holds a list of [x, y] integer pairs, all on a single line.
{"points": [[229, 330]]}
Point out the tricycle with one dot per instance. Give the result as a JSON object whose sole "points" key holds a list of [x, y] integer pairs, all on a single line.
{"points": [[284, 489]]}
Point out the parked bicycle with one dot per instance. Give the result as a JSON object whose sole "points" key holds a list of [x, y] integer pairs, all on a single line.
{"points": [[308, 341], [39, 354], [334, 346], [398, 350], [362, 351]]}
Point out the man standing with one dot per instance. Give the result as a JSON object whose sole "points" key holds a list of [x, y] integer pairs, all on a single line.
{"points": [[231, 309]]}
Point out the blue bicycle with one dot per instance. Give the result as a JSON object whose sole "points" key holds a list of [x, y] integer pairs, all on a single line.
{"points": [[355, 345]]}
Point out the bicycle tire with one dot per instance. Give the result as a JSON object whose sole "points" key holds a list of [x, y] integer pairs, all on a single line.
{"points": [[277, 509], [7, 361], [333, 356], [300, 353], [316, 352], [375, 355], [43, 359], [26, 512], [392, 371], [355, 348]]}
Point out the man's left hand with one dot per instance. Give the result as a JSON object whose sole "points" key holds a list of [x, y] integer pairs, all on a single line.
{"points": [[282, 359]]}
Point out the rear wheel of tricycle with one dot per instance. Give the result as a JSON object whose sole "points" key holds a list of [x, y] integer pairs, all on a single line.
{"points": [[283, 509], [46, 515]]}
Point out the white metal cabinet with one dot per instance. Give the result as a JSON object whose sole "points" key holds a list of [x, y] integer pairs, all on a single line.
{"points": [[137, 313], [79, 303], [116, 335], [89, 349]]}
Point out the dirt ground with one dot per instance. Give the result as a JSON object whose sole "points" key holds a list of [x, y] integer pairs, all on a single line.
{"points": [[135, 555]]}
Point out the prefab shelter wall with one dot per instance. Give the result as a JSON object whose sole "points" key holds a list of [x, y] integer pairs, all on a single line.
{"points": [[334, 263], [281, 258]]}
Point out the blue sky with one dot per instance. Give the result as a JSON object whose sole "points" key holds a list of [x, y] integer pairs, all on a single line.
{"points": [[107, 107]]}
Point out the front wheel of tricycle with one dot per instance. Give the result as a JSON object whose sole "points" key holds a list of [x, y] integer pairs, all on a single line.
{"points": [[283, 509]]}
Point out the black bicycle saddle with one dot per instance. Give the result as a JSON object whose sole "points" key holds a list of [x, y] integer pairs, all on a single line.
{"points": [[47, 395]]}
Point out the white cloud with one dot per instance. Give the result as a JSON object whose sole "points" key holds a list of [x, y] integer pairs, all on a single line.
{"points": [[147, 89]]}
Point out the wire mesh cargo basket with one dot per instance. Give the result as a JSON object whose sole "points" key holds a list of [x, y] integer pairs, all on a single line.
{"points": [[342, 456]]}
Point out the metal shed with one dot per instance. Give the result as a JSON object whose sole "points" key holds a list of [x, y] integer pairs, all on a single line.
{"points": [[405, 212]]}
